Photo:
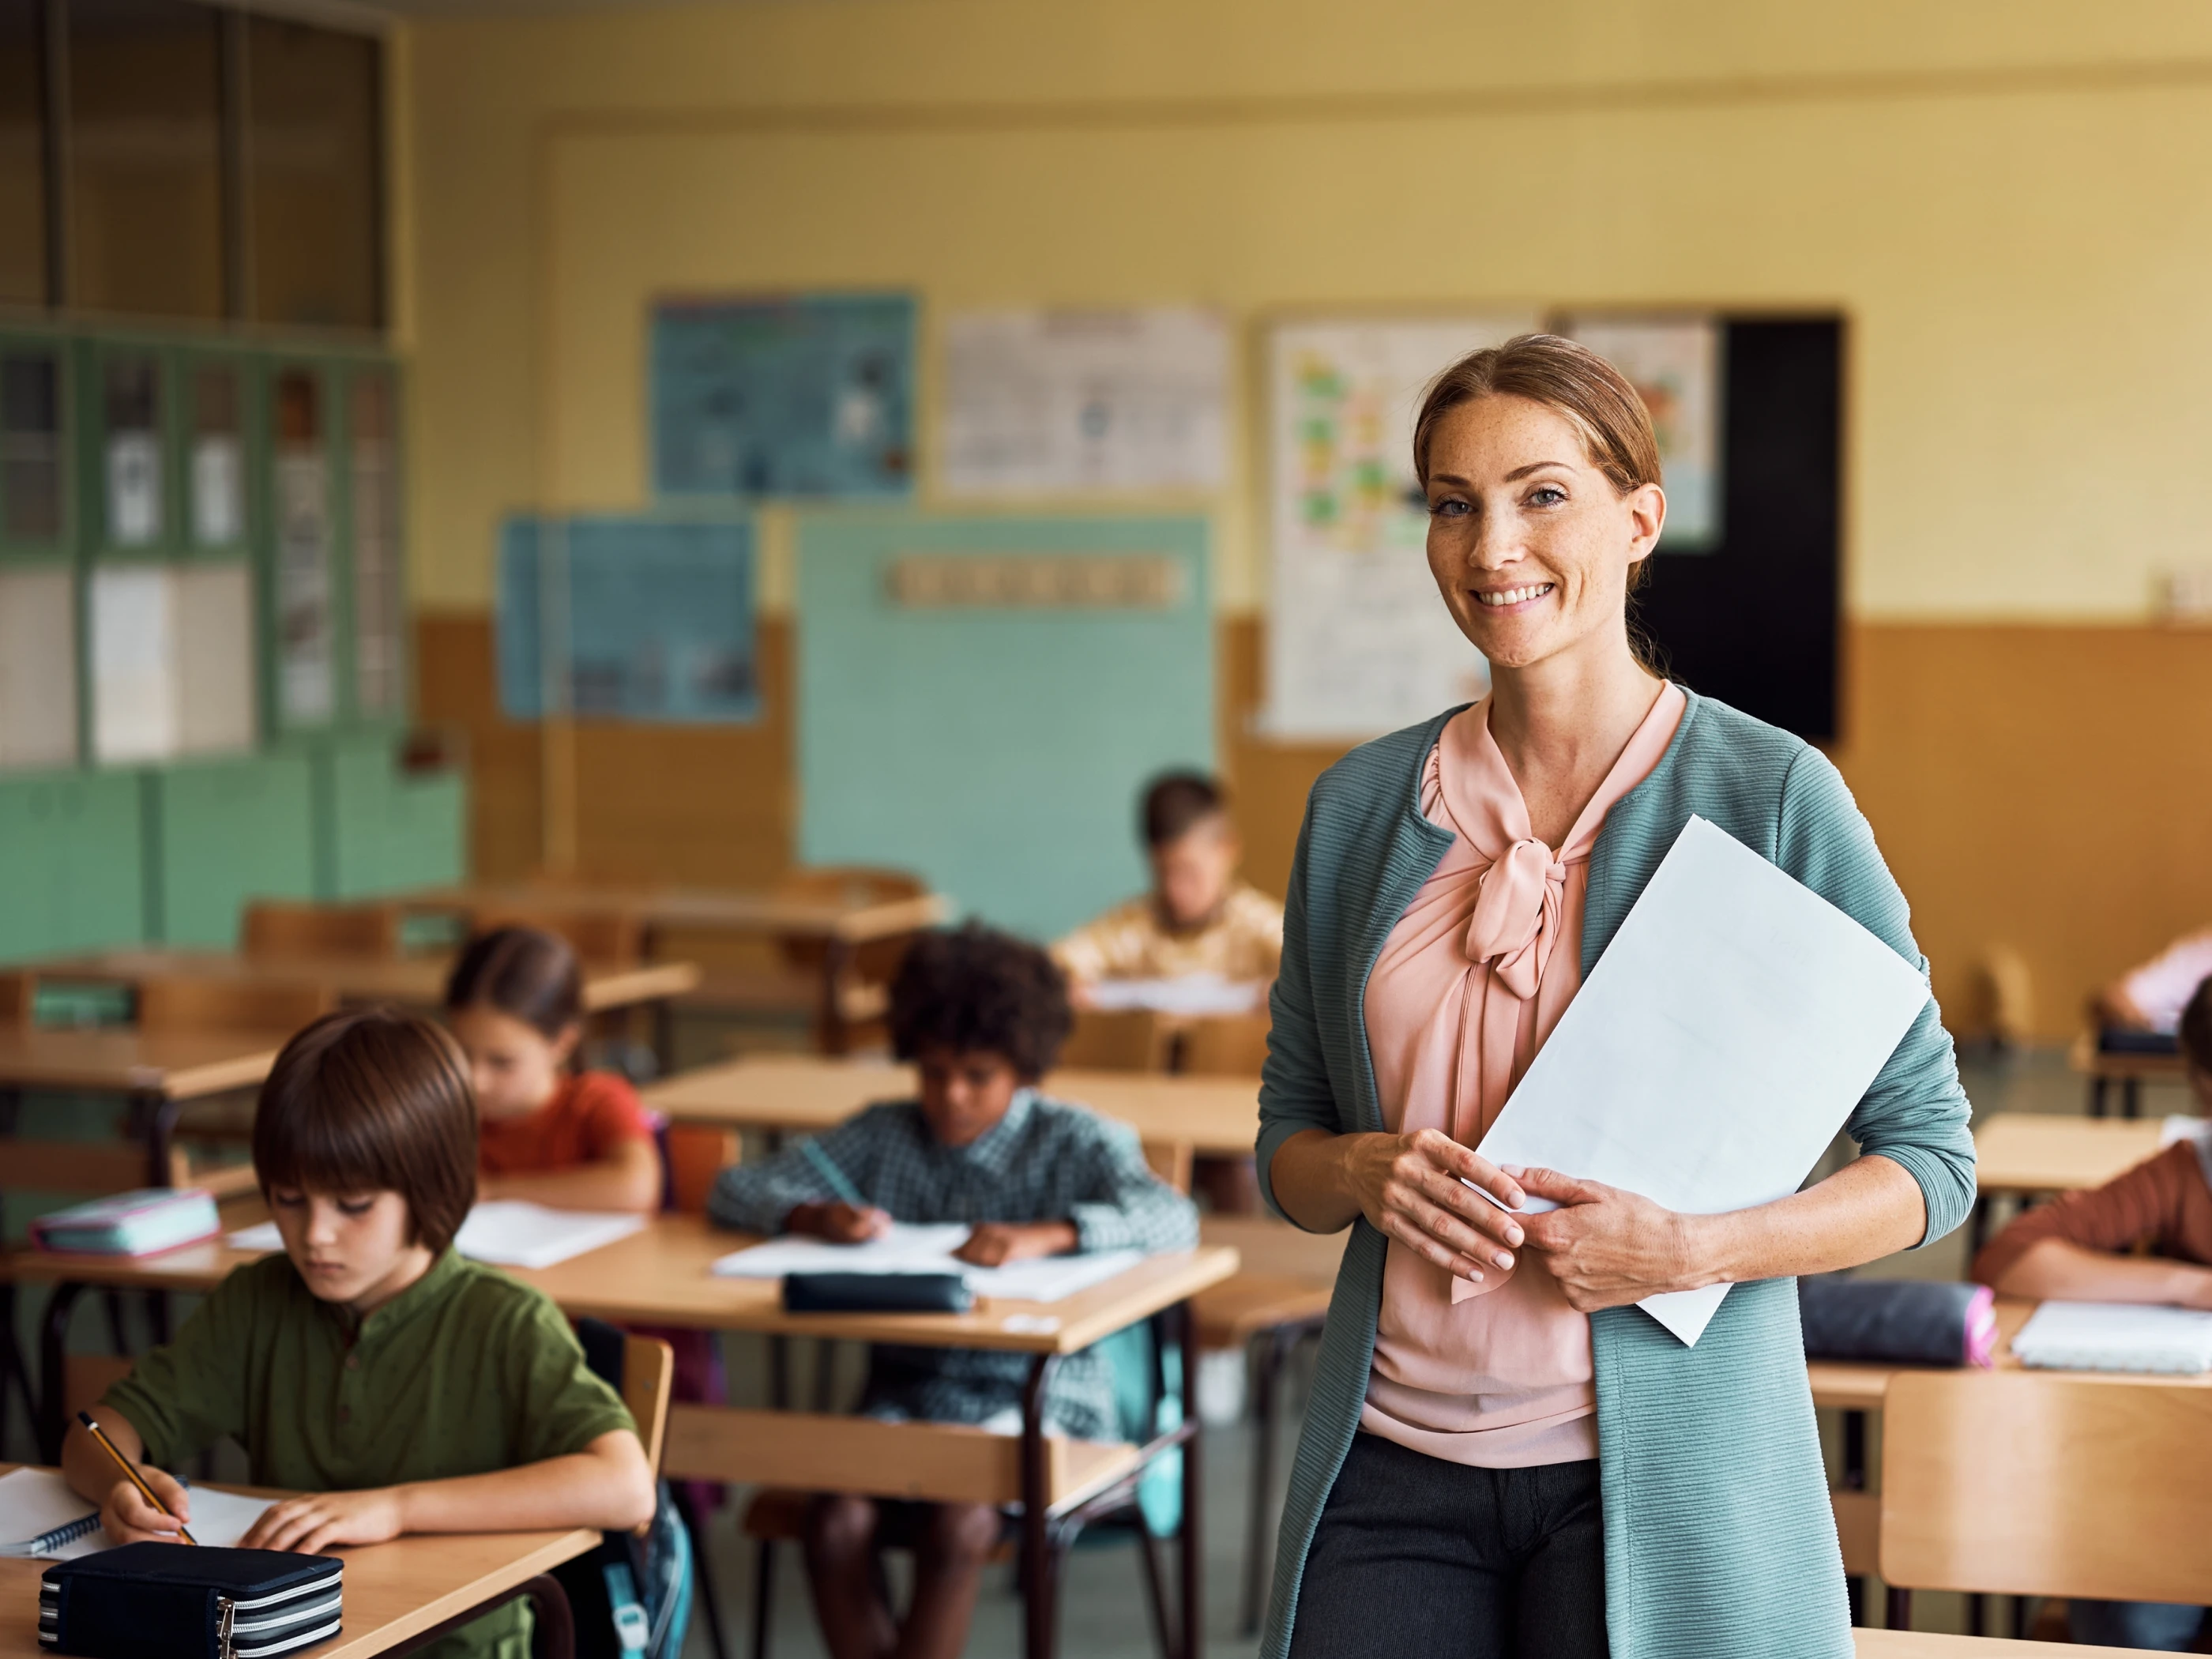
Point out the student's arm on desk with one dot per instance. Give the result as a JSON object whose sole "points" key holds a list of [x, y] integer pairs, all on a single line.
{"points": [[2067, 1248], [627, 1178], [607, 1485]]}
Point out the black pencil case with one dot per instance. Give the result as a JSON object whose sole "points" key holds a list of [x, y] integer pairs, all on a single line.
{"points": [[877, 1293], [2114, 1041], [1899, 1320], [176, 1601]]}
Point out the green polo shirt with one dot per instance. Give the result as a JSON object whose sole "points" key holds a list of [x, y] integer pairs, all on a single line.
{"points": [[463, 1372]]}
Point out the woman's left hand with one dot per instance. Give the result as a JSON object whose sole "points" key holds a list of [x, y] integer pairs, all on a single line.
{"points": [[315, 1521], [1606, 1246]]}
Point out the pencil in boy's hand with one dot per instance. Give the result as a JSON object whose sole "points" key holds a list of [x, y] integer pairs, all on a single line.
{"points": [[130, 1470], [826, 1166]]}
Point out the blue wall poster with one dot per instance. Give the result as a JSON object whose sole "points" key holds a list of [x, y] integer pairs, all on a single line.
{"points": [[627, 618], [811, 396]]}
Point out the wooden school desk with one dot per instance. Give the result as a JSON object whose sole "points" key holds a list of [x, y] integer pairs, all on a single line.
{"points": [[839, 924], [395, 1594], [2129, 1070], [1918, 1644], [660, 1276], [1219, 1116], [2029, 1154]]}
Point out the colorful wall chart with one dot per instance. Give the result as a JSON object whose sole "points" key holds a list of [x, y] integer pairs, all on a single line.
{"points": [[627, 618], [1358, 641], [811, 396], [1675, 363], [1082, 401]]}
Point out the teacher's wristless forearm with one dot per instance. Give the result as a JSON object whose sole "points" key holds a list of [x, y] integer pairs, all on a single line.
{"points": [[1869, 1208], [1312, 1178]]}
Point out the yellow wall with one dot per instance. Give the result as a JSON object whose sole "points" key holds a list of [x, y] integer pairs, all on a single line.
{"points": [[2007, 198]]}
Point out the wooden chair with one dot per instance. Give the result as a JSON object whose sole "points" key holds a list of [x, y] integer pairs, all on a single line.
{"points": [[648, 1371], [1171, 1161], [18, 996], [2029, 1483], [853, 979], [692, 1156], [1223, 1045], [187, 1003], [1116, 1040], [288, 927]]}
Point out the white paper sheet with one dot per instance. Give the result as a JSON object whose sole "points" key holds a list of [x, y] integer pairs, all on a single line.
{"points": [[2115, 1336], [910, 1249], [34, 1502], [507, 1232], [1730, 1027], [1186, 994]]}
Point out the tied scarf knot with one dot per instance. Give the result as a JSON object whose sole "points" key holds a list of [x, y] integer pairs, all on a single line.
{"points": [[1517, 916]]}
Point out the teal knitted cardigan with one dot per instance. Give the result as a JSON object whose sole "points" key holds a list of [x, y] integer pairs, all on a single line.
{"points": [[1720, 1542]]}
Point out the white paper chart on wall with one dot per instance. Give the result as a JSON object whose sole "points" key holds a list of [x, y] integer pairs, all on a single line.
{"points": [[1080, 402], [1358, 641]]}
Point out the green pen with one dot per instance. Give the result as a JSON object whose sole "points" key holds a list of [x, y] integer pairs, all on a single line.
{"points": [[827, 1168]]}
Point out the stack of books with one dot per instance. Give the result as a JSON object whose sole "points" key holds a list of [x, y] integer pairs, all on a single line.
{"points": [[130, 1223]]}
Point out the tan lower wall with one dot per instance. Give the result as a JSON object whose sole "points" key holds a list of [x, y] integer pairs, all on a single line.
{"points": [[2043, 792]]}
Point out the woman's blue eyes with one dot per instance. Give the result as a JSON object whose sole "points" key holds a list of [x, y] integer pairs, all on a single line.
{"points": [[1541, 495], [1547, 496], [1449, 509]]}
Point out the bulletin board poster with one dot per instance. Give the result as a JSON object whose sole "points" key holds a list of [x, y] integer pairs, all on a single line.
{"points": [[627, 619], [1674, 364], [1041, 402], [809, 397], [1358, 640]]}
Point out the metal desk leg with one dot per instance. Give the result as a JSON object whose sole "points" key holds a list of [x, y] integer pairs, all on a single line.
{"points": [[53, 1421], [1854, 1479], [1040, 1575], [836, 957], [1193, 1539], [2096, 1096], [158, 1113], [2131, 1098]]}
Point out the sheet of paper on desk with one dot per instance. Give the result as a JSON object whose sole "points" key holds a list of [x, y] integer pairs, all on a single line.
{"points": [[37, 1503], [1191, 994], [1732, 1025], [2116, 1336], [912, 1249], [505, 1232]]}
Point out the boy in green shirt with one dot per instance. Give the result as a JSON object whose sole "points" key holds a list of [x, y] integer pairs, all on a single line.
{"points": [[397, 1387]]}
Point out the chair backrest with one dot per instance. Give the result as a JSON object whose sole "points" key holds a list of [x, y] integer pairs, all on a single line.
{"points": [[189, 1003], [692, 1154], [1223, 1045], [1171, 1161], [18, 996], [602, 938], [2027, 1483], [286, 927], [1116, 1040], [648, 1371]]}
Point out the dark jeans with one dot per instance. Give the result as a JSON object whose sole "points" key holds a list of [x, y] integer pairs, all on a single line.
{"points": [[1416, 1556]]}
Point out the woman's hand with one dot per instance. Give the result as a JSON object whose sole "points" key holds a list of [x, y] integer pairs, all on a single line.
{"points": [[315, 1521], [128, 1518], [840, 1224], [1606, 1246], [1412, 1189], [994, 1244]]}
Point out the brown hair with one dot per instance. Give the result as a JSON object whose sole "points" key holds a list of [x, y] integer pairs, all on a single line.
{"points": [[524, 972], [1567, 377], [1176, 803], [371, 1100], [2197, 1029]]}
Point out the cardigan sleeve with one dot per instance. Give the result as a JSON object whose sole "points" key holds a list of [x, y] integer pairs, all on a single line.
{"points": [[1915, 1113], [1294, 1087]]}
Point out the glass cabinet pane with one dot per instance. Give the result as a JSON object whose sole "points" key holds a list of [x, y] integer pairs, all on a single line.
{"points": [[132, 404], [30, 445], [305, 676], [378, 617], [313, 148], [217, 461], [145, 157], [22, 156]]}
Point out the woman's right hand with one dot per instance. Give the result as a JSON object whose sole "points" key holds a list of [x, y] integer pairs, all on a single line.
{"points": [[1413, 1187], [128, 1518]]}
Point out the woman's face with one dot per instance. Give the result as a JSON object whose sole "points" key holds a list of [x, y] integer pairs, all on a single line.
{"points": [[1530, 544]]}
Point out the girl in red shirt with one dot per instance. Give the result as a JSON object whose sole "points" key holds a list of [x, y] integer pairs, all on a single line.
{"points": [[546, 1132]]}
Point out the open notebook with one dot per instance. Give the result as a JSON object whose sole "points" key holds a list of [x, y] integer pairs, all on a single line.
{"points": [[912, 1249], [2115, 1336], [39, 1515]]}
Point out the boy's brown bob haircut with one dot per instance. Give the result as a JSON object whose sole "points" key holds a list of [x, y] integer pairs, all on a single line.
{"points": [[374, 1100]]}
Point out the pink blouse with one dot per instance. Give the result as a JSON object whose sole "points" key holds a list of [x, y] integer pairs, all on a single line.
{"points": [[1470, 982]]}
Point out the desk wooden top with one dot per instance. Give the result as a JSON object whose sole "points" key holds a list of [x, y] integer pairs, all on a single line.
{"points": [[418, 981], [1218, 1116], [180, 1065], [393, 1591], [2044, 1153], [2087, 1058], [1921, 1644], [759, 912], [660, 1277]]}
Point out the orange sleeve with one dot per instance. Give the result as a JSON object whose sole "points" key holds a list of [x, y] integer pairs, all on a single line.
{"points": [[608, 1113], [2150, 1202]]}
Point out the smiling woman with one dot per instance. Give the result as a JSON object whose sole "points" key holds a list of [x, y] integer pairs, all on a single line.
{"points": [[1502, 1455]]}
